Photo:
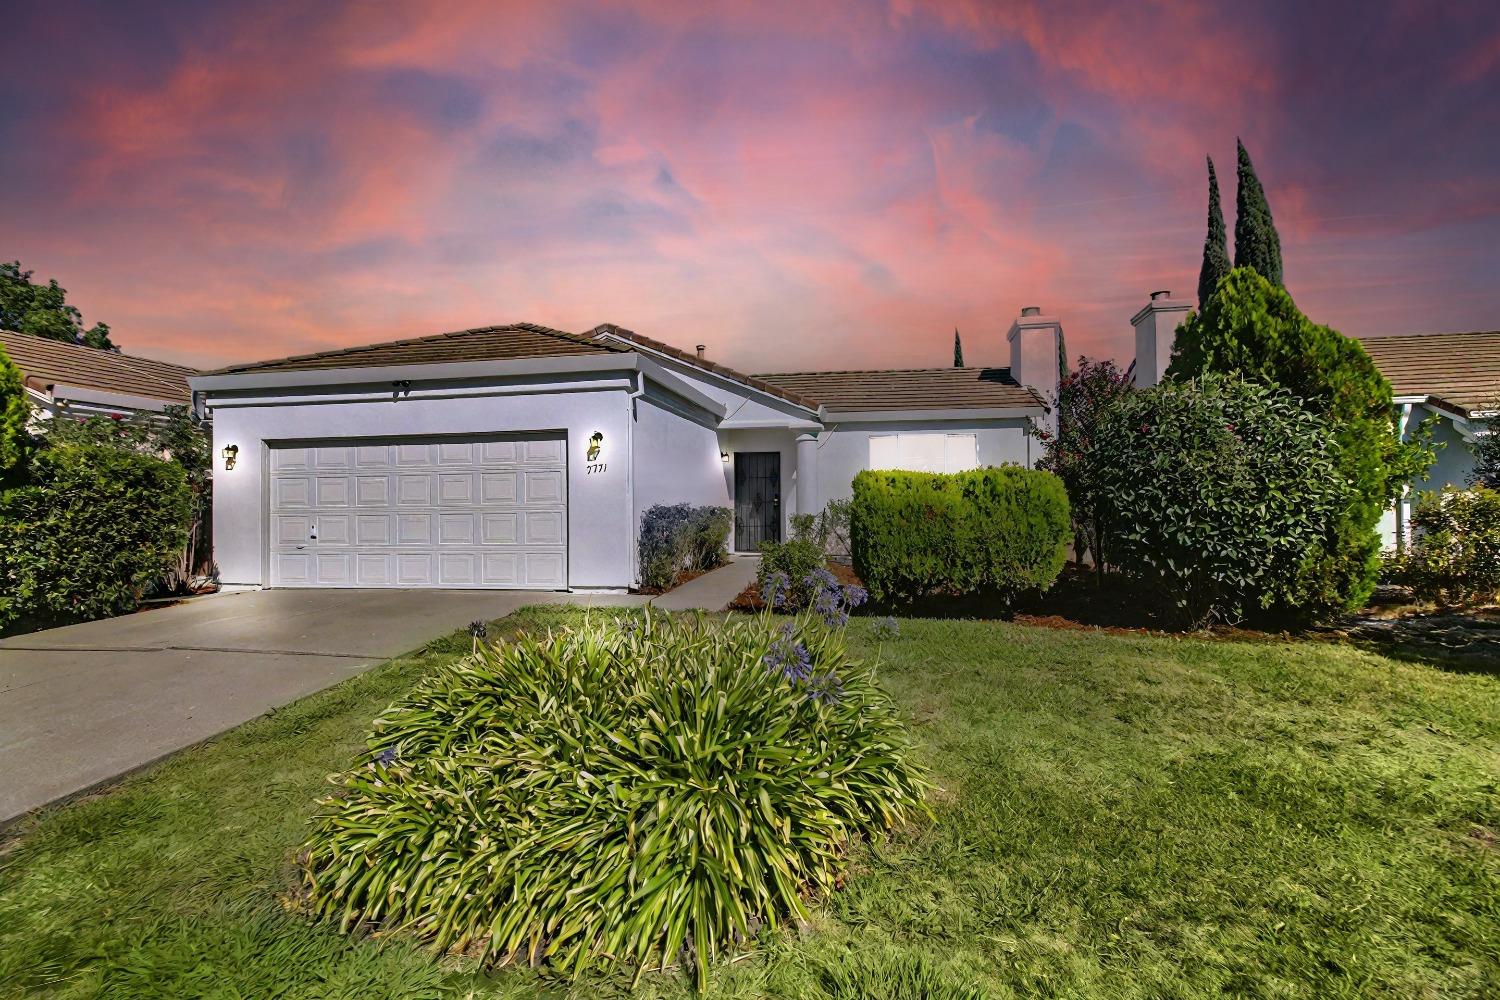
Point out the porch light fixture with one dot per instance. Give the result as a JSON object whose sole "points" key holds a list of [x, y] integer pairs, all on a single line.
{"points": [[724, 457], [231, 452]]}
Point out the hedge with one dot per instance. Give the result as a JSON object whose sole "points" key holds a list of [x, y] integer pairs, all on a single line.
{"points": [[92, 527], [997, 531]]}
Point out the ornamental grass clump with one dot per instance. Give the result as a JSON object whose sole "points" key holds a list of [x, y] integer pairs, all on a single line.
{"points": [[639, 793]]}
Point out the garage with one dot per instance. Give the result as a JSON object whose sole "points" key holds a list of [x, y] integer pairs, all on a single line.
{"points": [[450, 511]]}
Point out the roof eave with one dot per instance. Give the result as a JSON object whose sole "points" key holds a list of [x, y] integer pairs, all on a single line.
{"points": [[957, 413], [442, 371]]}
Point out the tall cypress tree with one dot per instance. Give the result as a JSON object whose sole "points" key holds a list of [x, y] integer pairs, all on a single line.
{"points": [[1256, 244], [1215, 244], [958, 350]]}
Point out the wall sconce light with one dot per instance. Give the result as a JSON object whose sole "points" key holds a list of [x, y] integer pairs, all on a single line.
{"points": [[724, 457], [231, 452]]}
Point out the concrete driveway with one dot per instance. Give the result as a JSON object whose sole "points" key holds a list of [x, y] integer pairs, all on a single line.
{"points": [[84, 704]]}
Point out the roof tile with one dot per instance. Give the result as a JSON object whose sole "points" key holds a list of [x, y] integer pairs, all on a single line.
{"points": [[54, 362], [1461, 369], [908, 389]]}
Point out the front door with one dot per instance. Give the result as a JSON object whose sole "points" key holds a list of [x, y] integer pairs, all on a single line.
{"points": [[757, 499]]}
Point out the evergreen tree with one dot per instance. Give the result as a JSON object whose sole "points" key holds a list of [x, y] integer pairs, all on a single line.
{"points": [[1256, 244], [1215, 244], [15, 414], [958, 350]]}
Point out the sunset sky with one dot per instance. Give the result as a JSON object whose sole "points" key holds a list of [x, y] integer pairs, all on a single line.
{"points": [[797, 185]]}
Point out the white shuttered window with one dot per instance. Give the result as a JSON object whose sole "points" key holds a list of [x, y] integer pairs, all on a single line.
{"points": [[924, 452]]}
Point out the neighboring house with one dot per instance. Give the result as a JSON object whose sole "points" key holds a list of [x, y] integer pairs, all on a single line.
{"points": [[521, 456], [73, 380], [1454, 377]]}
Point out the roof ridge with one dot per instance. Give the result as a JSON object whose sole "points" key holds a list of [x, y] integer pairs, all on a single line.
{"points": [[358, 349], [886, 371]]}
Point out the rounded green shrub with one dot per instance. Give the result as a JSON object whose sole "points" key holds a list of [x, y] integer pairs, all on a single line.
{"points": [[91, 528], [1217, 491], [1251, 328], [997, 531], [639, 792]]}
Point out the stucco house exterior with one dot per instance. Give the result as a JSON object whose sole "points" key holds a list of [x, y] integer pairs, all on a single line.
{"points": [[523, 457], [74, 380]]}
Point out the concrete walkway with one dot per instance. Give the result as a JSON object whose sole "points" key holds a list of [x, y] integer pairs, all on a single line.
{"points": [[713, 590], [85, 704]]}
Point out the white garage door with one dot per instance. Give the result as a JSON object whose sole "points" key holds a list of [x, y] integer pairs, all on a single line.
{"points": [[436, 512]]}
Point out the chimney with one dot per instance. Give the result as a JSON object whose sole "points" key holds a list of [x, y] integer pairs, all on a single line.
{"points": [[700, 351], [1155, 331], [1035, 353]]}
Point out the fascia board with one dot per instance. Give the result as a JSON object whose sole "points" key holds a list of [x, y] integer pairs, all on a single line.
{"points": [[447, 371]]}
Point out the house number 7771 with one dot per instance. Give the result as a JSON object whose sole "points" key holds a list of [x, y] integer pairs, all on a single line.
{"points": [[596, 467]]}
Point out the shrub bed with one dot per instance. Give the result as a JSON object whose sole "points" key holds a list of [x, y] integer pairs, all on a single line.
{"points": [[998, 531], [1454, 558], [641, 792], [678, 538], [92, 527]]}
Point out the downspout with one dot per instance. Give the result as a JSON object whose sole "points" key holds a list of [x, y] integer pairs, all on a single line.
{"points": [[630, 398], [1402, 501]]}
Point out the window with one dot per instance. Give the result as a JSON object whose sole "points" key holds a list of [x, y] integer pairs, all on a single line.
{"points": [[924, 452]]}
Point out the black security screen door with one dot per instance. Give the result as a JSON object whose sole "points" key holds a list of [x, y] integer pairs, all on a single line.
{"points": [[757, 499]]}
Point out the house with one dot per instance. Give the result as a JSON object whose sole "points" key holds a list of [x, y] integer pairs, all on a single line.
{"points": [[523, 457], [1452, 378], [70, 379]]}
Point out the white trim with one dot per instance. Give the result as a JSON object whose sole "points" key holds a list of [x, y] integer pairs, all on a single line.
{"points": [[444, 372], [960, 414], [727, 380]]}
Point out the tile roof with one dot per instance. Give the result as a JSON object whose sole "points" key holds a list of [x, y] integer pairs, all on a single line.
{"points": [[755, 382], [52, 362], [484, 343], [1460, 369], [909, 389]]}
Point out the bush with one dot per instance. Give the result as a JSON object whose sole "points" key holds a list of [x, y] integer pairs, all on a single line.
{"points": [[997, 532], [637, 792], [677, 538], [1084, 396], [15, 414], [1454, 558], [1217, 491], [92, 527], [1251, 328], [828, 529], [783, 577]]}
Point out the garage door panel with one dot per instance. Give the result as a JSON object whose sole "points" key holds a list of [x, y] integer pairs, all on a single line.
{"points": [[333, 491], [437, 513], [333, 529], [372, 491], [292, 492], [372, 530], [544, 487]]}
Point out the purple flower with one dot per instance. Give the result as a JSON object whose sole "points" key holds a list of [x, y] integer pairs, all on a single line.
{"points": [[789, 656], [386, 756], [775, 589]]}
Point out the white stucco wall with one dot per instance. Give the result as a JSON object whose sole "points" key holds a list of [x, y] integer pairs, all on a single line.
{"points": [[844, 450], [1454, 464], [601, 512], [676, 456]]}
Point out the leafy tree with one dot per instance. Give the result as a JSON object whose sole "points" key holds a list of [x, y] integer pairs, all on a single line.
{"points": [[1256, 244], [1251, 328], [1215, 249], [42, 310], [1084, 395], [15, 413], [958, 350], [1216, 491]]}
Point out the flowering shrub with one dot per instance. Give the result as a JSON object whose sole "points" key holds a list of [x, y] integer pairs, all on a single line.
{"points": [[783, 572], [1084, 396], [680, 537], [1454, 557], [640, 793]]}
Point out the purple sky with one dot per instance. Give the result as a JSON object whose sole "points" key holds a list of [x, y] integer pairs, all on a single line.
{"points": [[798, 185]]}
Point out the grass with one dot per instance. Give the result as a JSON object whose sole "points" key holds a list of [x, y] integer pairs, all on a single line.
{"points": [[1120, 816]]}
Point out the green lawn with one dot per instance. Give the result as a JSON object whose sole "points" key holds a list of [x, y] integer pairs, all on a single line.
{"points": [[1119, 816]]}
